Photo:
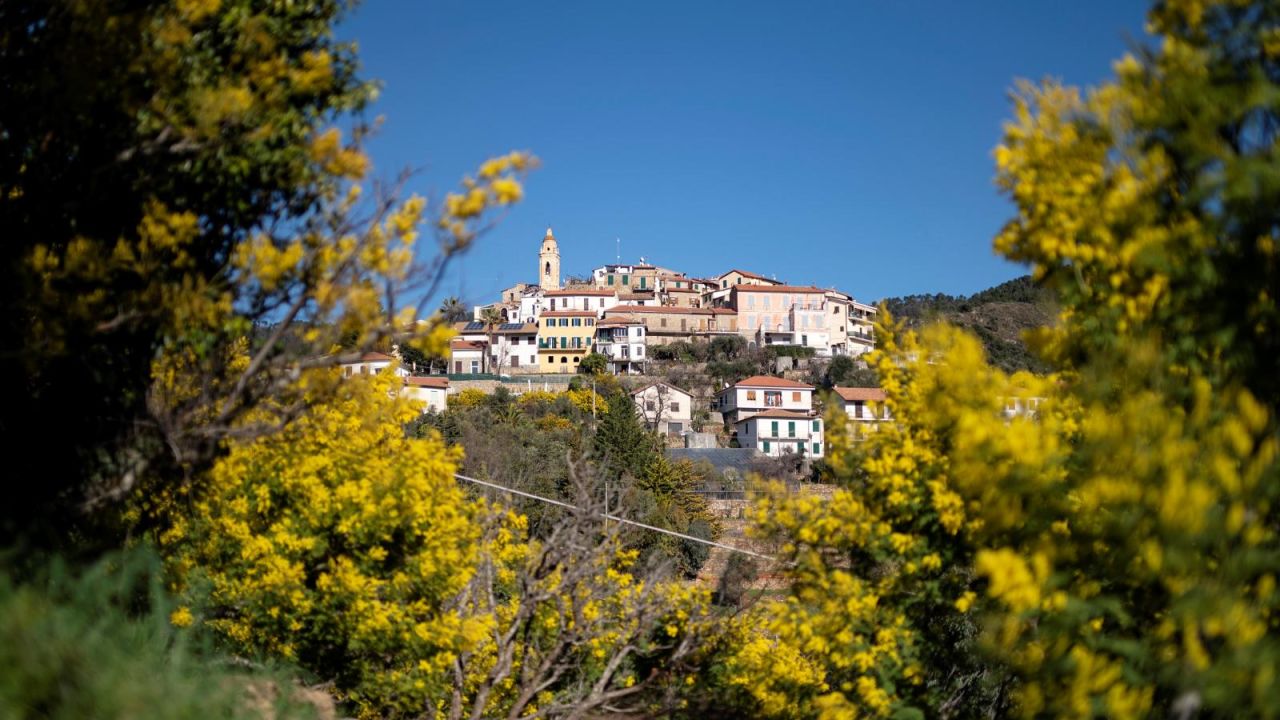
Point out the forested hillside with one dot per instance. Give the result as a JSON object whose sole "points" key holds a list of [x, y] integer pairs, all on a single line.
{"points": [[998, 316]]}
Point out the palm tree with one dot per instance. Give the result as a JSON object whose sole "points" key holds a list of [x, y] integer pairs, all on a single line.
{"points": [[492, 317], [453, 310]]}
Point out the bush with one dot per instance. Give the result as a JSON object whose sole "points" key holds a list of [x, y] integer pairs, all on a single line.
{"points": [[101, 644]]}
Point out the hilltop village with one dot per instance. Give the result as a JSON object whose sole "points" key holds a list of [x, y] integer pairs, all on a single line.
{"points": [[636, 321], [623, 310]]}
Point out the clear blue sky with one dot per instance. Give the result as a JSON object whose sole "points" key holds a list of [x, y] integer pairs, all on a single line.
{"points": [[842, 144]]}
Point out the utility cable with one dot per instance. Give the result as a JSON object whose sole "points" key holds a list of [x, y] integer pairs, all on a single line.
{"points": [[608, 516]]}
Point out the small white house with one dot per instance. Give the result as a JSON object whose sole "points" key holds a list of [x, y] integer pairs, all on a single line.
{"points": [[514, 348], [372, 363], [622, 341], [466, 356], [760, 393], [664, 408], [432, 392], [779, 432], [863, 404]]}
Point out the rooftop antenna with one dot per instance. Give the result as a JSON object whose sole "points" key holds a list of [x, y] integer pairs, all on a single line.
{"points": [[618, 250]]}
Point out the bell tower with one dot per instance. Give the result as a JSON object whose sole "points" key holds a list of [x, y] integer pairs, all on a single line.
{"points": [[549, 263]]}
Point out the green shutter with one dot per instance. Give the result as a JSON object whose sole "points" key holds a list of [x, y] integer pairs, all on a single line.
{"points": [[791, 428], [817, 448], [766, 445], [775, 428], [610, 279]]}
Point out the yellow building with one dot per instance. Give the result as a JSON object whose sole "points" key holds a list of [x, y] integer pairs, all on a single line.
{"points": [[564, 338]]}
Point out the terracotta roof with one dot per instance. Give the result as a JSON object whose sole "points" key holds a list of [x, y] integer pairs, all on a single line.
{"points": [[673, 387], [778, 415], [428, 382], [682, 290], [780, 289], [668, 309], [744, 273], [569, 313], [769, 381], [579, 291], [610, 322], [851, 394], [457, 344], [376, 357]]}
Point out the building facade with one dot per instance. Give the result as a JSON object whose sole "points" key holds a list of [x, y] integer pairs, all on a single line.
{"points": [[761, 393], [780, 432], [622, 340], [664, 408], [564, 338], [432, 392], [668, 324]]}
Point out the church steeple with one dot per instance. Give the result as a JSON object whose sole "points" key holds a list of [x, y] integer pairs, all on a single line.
{"points": [[549, 263]]}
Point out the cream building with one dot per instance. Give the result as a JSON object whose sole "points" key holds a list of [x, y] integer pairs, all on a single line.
{"points": [[432, 392], [664, 408]]}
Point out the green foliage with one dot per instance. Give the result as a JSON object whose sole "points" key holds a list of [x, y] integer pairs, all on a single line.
{"points": [[593, 364], [99, 643], [847, 372], [999, 316], [109, 109]]}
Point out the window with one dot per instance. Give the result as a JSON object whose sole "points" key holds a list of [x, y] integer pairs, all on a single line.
{"points": [[575, 358], [577, 322], [795, 396], [751, 394], [591, 321], [626, 279], [683, 323], [610, 279], [650, 405], [765, 301], [772, 398], [547, 270], [564, 342], [675, 407], [817, 448], [817, 425], [639, 351], [475, 366], [663, 322], [765, 446], [553, 304], [773, 428], [674, 428], [791, 428], [642, 283], [564, 359]]}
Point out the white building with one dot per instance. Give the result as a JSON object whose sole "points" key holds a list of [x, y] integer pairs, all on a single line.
{"points": [[863, 404], [372, 363], [466, 356], [578, 298], [862, 320], [622, 341], [664, 408], [761, 393], [779, 432], [432, 392], [513, 348]]}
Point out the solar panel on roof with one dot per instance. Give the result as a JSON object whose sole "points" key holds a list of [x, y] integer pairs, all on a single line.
{"points": [[473, 326], [511, 326]]}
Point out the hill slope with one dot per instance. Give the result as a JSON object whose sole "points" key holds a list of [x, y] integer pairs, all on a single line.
{"points": [[997, 315]]}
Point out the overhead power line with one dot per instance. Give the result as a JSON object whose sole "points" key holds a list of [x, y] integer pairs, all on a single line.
{"points": [[609, 516]]}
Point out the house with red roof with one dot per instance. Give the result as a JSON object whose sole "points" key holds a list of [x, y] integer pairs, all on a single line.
{"points": [[779, 432], [762, 393], [863, 404]]}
